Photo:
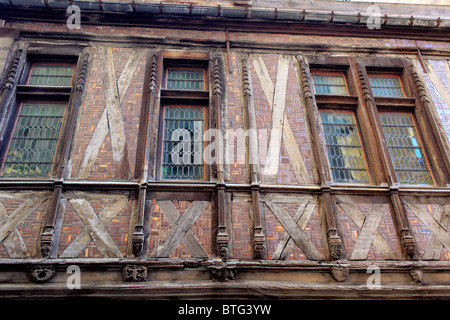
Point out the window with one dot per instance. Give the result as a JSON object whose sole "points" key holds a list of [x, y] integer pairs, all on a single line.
{"points": [[183, 143], [386, 86], [49, 74], [184, 101], [185, 79], [402, 147], [330, 83], [405, 148], [38, 120], [344, 149], [34, 141]]}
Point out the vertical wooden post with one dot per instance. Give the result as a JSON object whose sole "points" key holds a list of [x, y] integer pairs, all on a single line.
{"points": [[378, 154], [333, 239], [143, 156], [222, 232], [259, 239], [62, 155]]}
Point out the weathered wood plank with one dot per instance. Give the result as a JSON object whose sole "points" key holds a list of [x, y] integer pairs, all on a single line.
{"points": [[84, 238], [294, 154], [14, 244], [95, 228], [286, 245], [111, 118], [191, 242], [379, 242], [433, 247], [439, 232], [288, 198], [11, 222], [279, 98], [113, 110], [298, 236], [368, 231], [94, 147], [179, 229]]}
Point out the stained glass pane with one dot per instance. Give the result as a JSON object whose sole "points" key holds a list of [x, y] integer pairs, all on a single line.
{"points": [[386, 86], [51, 75], [329, 84], [34, 141], [344, 148], [405, 149], [185, 79], [183, 143]]}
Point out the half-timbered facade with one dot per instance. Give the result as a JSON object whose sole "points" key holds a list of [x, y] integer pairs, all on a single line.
{"points": [[224, 149]]}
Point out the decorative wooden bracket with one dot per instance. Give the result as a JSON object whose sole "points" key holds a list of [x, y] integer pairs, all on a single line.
{"points": [[407, 240], [138, 234], [40, 274], [135, 273]]}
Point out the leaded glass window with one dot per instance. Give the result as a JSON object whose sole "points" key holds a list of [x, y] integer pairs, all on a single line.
{"points": [[344, 149], [183, 143], [51, 75], [185, 79], [33, 144], [386, 86], [329, 84], [405, 149]]}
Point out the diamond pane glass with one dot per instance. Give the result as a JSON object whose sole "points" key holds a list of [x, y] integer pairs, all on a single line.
{"points": [[405, 149], [329, 84], [386, 86], [344, 148], [183, 143], [51, 75], [185, 79], [34, 141]]}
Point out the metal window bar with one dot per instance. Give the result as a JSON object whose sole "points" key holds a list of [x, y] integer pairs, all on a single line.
{"points": [[386, 86], [51, 75], [404, 147], [329, 84], [34, 141], [184, 79], [183, 143], [343, 147]]}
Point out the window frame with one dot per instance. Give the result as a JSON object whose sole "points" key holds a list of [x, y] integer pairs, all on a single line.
{"points": [[183, 98], [422, 146], [13, 131], [367, 107], [205, 123], [358, 132], [340, 103], [24, 93]]}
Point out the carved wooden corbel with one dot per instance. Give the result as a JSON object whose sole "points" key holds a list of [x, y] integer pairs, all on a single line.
{"points": [[223, 272], [40, 274], [135, 273], [138, 234], [340, 272]]}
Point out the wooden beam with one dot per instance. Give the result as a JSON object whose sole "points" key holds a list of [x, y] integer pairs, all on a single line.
{"points": [[179, 229]]}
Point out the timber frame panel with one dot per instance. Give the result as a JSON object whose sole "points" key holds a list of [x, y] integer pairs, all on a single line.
{"points": [[143, 189]]}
